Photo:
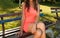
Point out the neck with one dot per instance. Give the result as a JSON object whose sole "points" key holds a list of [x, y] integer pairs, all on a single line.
{"points": [[31, 3]]}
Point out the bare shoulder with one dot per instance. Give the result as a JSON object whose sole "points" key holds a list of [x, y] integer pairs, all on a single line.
{"points": [[38, 5], [23, 4]]}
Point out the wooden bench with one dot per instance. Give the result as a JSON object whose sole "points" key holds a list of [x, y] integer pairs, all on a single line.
{"points": [[2, 21], [56, 10]]}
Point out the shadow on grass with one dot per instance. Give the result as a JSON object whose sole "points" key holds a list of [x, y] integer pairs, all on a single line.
{"points": [[50, 4], [7, 4]]}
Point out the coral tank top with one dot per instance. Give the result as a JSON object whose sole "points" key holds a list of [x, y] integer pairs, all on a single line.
{"points": [[30, 16]]}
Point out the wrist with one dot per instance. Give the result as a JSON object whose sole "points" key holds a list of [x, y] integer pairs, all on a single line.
{"points": [[21, 28]]}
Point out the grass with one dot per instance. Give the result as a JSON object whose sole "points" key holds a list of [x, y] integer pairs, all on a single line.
{"points": [[7, 6]]}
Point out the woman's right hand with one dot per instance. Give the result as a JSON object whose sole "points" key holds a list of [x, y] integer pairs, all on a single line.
{"points": [[20, 33]]}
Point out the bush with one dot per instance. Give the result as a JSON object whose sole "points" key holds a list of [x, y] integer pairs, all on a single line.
{"points": [[17, 1]]}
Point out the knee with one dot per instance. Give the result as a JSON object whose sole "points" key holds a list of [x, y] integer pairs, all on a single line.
{"points": [[40, 25]]}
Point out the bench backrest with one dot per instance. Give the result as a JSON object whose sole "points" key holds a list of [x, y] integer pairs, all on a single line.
{"points": [[55, 10]]}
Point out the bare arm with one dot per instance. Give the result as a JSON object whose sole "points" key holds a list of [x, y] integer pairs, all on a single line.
{"points": [[23, 16], [38, 13]]}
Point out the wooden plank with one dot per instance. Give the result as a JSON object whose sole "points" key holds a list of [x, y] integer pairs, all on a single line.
{"points": [[55, 8], [11, 14], [55, 11], [3, 28], [14, 14], [9, 20], [14, 19]]}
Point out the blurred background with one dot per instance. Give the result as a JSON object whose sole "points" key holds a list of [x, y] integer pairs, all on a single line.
{"points": [[12, 6]]}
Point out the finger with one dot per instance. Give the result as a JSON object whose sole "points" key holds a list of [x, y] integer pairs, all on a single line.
{"points": [[18, 34]]}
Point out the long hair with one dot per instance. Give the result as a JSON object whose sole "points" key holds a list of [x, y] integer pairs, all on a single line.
{"points": [[27, 4]]}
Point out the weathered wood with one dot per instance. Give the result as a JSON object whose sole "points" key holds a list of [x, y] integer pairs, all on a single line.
{"points": [[3, 28], [9, 20], [11, 14], [55, 8]]}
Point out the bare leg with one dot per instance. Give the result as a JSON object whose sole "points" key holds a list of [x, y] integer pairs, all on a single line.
{"points": [[38, 32]]}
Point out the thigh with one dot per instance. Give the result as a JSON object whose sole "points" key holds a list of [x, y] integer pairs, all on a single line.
{"points": [[32, 28], [41, 25]]}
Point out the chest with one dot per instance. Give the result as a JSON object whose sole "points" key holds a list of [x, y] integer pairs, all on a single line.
{"points": [[31, 12]]}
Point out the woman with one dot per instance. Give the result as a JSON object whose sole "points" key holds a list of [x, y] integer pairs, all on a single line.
{"points": [[30, 18]]}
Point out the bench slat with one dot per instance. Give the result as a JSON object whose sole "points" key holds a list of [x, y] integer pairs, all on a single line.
{"points": [[11, 14], [55, 8], [55, 11]]}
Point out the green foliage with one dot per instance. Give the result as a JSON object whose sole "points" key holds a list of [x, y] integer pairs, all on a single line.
{"points": [[15, 1], [6, 4], [50, 4]]}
